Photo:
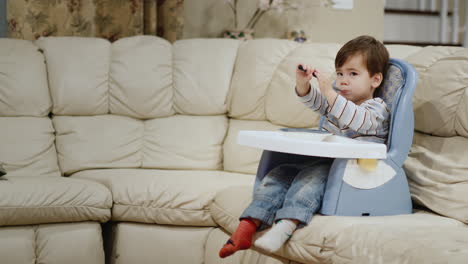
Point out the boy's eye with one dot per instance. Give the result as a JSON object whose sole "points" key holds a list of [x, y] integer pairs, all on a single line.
{"points": [[339, 74], [354, 73]]}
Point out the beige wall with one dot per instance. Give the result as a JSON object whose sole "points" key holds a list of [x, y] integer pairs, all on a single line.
{"points": [[209, 18]]}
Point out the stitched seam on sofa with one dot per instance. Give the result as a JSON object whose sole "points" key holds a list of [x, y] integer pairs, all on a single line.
{"points": [[172, 80], [458, 108], [162, 208], [32, 207], [142, 143], [54, 145], [35, 242], [108, 77]]}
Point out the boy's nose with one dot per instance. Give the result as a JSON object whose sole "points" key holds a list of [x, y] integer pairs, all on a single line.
{"points": [[344, 80]]}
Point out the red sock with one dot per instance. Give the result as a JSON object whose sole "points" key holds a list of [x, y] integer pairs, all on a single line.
{"points": [[241, 239]]}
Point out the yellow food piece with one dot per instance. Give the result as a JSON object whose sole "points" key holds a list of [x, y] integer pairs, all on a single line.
{"points": [[367, 164]]}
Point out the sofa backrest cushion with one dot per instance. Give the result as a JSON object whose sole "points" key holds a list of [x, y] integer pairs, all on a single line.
{"points": [[26, 136], [23, 80], [78, 72], [112, 141], [139, 102], [437, 165], [202, 75], [27, 146], [264, 79], [91, 76], [140, 78], [441, 98]]}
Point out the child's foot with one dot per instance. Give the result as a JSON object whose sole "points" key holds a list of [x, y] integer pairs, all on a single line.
{"points": [[241, 239], [276, 236]]}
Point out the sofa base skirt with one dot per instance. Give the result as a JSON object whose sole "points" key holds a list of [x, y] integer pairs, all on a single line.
{"points": [[71, 243]]}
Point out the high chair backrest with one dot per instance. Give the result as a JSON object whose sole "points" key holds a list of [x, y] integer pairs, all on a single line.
{"points": [[397, 91]]}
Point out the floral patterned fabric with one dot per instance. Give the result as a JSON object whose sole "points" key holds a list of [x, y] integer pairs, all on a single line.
{"points": [[110, 19], [170, 19], [392, 83]]}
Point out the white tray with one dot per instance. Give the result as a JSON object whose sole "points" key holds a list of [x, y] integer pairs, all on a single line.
{"points": [[312, 144]]}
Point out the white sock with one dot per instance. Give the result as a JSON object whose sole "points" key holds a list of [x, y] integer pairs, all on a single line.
{"points": [[276, 236]]}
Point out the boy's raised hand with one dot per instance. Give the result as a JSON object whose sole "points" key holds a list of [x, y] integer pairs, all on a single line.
{"points": [[303, 76]]}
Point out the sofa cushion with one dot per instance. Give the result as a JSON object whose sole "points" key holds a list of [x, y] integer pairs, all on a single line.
{"points": [[78, 71], [170, 197], [256, 63], [27, 146], [105, 141], [402, 51], [140, 77], [396, 244], [23, 78], [441, 98], [202, 75], [327, 236], [263, 82], [72, 243], [185, 142], [150, 244], [38, 200], [437, 172], [111, 141], [282, 107]]}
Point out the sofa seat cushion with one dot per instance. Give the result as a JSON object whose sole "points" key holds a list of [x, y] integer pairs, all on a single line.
{"points": [[157, 244], [172, 197], [38, 200], [71, 243], [437, 169], [405, 243], [334, 239], [27, 146]]}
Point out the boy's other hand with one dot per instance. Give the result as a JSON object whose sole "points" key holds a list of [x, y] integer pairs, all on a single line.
{"points": [[302, 79], [324, 81]]}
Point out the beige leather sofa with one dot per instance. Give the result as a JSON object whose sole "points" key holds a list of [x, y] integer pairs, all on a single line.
{"points": [[139, 137]]}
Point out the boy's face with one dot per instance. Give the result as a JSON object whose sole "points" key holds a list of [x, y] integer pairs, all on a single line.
{"points": [[354, 81]]}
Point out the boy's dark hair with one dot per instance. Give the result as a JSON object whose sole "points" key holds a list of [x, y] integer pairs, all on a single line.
{"points": [[374, 53]]}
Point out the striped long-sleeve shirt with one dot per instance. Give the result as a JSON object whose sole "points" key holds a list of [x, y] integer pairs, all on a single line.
{"points": [[367, 121]]}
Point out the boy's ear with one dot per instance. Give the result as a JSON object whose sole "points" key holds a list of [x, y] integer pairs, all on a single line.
{"points": [[377, 79]]}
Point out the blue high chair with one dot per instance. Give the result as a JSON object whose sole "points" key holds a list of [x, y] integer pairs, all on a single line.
{"points": [[390, 198]]}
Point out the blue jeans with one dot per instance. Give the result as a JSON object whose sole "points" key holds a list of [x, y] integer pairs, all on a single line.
{"points": [[290, 191]]}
